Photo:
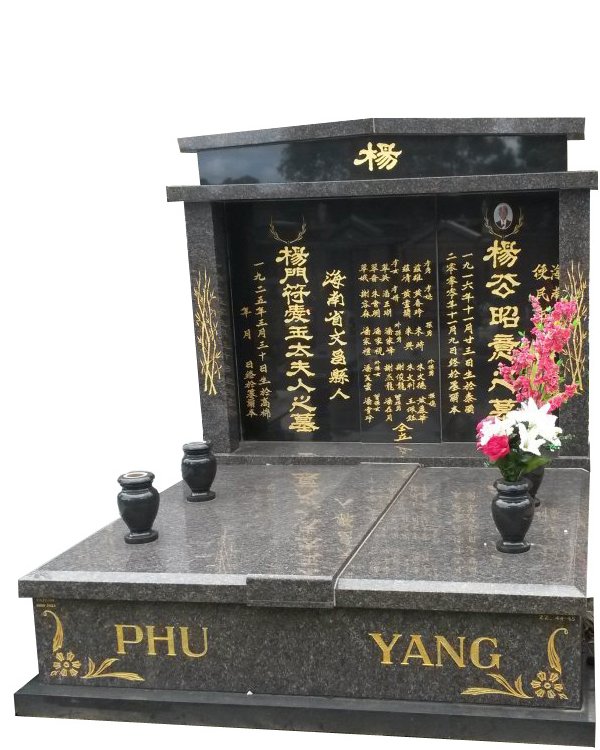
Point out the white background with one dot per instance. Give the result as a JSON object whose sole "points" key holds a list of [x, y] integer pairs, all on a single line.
{"points": [[98, 368]]}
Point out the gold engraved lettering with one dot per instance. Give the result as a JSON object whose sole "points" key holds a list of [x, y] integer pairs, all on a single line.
{"points": [[169, 638], [458, 657], [476, 653], [503, 253], [185, 643], [383, 157], [138, 635], [386, 648], [417, 642]]}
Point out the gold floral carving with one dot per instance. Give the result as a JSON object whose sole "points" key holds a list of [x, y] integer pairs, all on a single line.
{"points": [[205, 317], [574, 355], [275, 235], [67, 664], [547, 684]]}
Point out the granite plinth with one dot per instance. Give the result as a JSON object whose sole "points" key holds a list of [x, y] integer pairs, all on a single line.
{"points": [[347, 453], [346, 715], [569, 127]]}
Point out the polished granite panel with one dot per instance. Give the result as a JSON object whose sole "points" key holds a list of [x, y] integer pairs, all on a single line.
{"points": [[348, 453], [285, 532], [570, 127], [400, 186], [436, 548]]}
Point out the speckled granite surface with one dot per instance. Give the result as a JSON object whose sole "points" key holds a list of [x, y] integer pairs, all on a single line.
{"points": [[570, 127], [400, 186], [436, 549], [369, 535], [425, 454], [273, 534]]}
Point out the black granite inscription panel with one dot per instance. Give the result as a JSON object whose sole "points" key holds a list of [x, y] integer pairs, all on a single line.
{"points": [[335, 307], [382, 156], [344, 309], [494, 251], [532, 661]]}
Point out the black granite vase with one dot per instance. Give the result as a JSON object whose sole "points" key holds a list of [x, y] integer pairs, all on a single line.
{"points": [[535, 477], [198, 468], [512, 511], [138, 505]]}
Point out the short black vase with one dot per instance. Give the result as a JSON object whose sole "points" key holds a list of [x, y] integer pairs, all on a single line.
{"points": [[198, 469], [512, 511], [138, 505], [535, 477]]}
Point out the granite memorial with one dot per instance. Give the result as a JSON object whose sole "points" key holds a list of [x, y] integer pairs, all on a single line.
{"points": [[355, 286]]}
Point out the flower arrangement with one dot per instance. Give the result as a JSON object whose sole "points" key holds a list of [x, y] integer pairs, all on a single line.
{"points": [[520, 441], [525, 438], [534, 371]]}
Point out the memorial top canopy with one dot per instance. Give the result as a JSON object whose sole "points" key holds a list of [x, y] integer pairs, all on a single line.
{"points": [[571, 128]]}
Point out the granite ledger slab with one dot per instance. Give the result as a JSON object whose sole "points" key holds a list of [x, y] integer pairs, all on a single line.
{"points": [[358, 579]]}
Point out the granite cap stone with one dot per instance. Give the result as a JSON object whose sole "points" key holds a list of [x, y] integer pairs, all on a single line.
{"points": [[571, 127], [500, 183]]}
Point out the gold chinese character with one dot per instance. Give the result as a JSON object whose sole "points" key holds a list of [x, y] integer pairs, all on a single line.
{"points": [[338, 357], [339, 375], [502, 345], [507, 317], [292, 273], [401, 432], [541, 272], [335, 318], [300, 384], [298, 366], [503, 284], [501, 406], [295, 256], [503, 253], [298, 350], [339, 393], [334, 279], [295, 293], [383, 156], [298, 332]]}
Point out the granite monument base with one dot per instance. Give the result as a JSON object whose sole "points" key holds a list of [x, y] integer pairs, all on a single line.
{"points": [[350, 598], [552, 726]]}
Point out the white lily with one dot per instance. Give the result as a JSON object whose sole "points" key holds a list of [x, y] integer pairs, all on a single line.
{"points": [[529, 440], [538, 420], [493, 428]]}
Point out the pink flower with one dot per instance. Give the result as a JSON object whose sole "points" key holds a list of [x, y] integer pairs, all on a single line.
{"points": [[534, 371], [496, 447]]}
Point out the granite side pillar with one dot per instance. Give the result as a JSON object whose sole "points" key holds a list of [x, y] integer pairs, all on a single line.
{"points": [[574, 261], [209, 280]]}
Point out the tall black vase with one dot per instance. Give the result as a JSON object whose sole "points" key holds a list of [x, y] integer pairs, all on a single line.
{"points": [[512, 511], [198, 469], [138, 505]]}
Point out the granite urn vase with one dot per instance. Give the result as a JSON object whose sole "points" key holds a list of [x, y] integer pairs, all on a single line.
{"points": [[138, 505], [512, 511], [198, 469], [535, 477]]}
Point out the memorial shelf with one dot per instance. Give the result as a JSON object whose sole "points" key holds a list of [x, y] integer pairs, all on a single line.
{"points": [[355, 287]]}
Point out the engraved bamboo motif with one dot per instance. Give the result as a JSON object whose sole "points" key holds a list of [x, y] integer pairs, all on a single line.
{"points": [[205, 317], [574, 355]]}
